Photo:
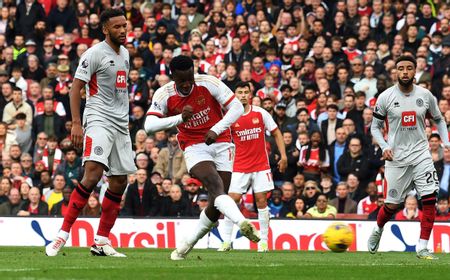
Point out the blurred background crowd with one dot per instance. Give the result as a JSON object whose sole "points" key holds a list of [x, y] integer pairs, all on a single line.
{"points": [[316, 66]]}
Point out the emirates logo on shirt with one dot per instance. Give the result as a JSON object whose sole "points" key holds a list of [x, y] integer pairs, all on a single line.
{"points": [[121, 79]]}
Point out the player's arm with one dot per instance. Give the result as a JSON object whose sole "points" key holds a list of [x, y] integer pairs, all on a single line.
{"points": [[379, 116], [439, 120], [226, 98], [156, 120], [75, 101], [282, 163]]}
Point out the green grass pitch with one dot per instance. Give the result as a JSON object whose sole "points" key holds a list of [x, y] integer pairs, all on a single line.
{"points": [[77, 263]]}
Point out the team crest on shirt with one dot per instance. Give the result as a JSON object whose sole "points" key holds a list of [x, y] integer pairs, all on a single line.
{"points": [[255, 121], [98, 151], [201, 100], [85, 63], [393, 193], [419, 102]]}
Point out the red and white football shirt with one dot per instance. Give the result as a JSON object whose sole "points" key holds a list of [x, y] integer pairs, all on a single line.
{"points": [[208, 96], [366, 206], [248, 136]]}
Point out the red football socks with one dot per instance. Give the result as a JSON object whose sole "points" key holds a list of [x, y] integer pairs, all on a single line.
{"points": [[384, 216], [110, 211], [78, 200]]}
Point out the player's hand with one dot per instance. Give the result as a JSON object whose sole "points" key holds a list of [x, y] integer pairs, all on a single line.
{"points": [[76, 136], [282, 164], [187, 113], [388, 155], [210, 137]]}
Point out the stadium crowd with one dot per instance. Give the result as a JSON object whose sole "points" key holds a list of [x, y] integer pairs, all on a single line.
{"points": [[316, 66]]}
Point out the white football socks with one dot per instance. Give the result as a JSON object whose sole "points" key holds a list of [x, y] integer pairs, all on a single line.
{"points": [[225, 204], [63, 234], [227, 229], [423, 244], [263, 218], [203, 227]]}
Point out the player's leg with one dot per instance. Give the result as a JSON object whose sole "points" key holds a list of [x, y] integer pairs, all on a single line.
{"points": [[427, 186], [263, 183], [399, 183], [121, 163], [227, 226], [226, 205], [110, 210], [238, 185], [94, 164]]}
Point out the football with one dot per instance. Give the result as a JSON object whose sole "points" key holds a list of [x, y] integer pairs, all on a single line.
{"points": [[338, 237]]}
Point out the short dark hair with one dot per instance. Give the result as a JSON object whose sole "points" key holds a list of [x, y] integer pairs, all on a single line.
{"points": [[110, 13], [15, 88], [333, 106], [181, 63], [406, 58], [242, 84]]}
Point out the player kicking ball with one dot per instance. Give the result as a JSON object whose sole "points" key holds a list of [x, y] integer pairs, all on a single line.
{"points": [[103, 69], [194, 104], [404, 108], [251, 164]]}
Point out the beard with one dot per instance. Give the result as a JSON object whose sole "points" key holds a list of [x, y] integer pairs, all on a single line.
{"points": [[407, 83]]}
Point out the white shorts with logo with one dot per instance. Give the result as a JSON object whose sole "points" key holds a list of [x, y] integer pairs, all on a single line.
{"points": [[110, 148], [401, 180], [260, 181], [222, 154]]}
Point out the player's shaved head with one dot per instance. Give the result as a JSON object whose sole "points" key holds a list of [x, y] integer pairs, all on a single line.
{"points": [[182, 68]]}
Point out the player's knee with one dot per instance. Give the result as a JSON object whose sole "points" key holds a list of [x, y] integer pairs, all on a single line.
{"points": [[261, 204], [392, 206], [92, 175], [429, 199]]}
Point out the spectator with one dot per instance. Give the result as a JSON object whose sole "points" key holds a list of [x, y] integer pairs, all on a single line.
{"points": [[52, 155], [411, 211], [27, 14], [25, 190], [6, 140], [171, 163], [60, 208], [71, 168], [138, 90], [49, 122], [310, 194], [175, 205], [55, 195], [436, 149], [275, 203], [139, 196], [5, 186], [41, 143], [369, 204], [330, 125], [192, 190], [17, 105], [34, 206], [200, 205], [92, 208], [443, 171], [314, 158], [322, 209], [288, 198], [23, 132], [342, 202], [297, 209], [46, 183], [442, 209], [64, 15], [12, 206], [354, 160]]}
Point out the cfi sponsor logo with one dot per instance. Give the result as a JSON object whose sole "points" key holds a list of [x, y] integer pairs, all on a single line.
{"points": [[121, 79]]}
